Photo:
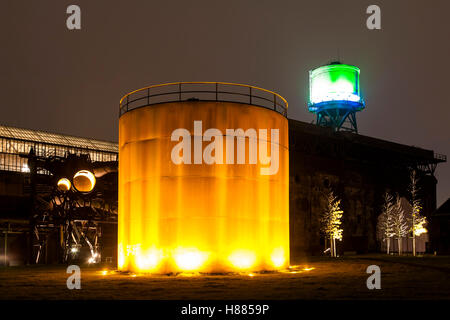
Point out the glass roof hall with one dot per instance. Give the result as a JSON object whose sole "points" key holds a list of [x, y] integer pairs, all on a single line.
{"points": [[59, 139]]}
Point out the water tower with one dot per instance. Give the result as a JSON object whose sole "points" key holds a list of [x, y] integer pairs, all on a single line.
{"points": [[335, 96]]}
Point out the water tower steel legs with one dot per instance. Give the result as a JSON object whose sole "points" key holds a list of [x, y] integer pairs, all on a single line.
{"points": [[338, 119]]}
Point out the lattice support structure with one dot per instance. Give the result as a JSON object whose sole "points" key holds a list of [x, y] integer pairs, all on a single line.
{"points": [[338, 119]]}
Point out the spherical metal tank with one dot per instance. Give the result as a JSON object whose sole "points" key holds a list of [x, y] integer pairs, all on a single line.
{"points": [[332, 83], [195, 192]]}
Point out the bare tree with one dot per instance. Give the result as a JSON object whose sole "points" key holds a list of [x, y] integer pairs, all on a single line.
{"points": [[385, 226], [417, 221], [331, 221], [400, 222]]}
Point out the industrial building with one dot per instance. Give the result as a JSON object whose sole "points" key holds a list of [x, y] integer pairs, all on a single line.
{"points": [[440, 228], [43, 219], [359, 168]]}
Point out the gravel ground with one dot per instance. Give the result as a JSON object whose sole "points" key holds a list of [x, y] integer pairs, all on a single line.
{"points": [[318, 278]]}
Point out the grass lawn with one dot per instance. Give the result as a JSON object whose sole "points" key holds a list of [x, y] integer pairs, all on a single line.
{"points": [[315, 278]]}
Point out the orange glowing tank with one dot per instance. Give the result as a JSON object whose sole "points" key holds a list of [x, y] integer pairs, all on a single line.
{"points": [[204, 182]]}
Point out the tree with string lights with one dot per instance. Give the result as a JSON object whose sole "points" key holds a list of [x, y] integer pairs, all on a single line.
{"points": [[400, 223], [417, 220], [331, 221], [385, 226]]}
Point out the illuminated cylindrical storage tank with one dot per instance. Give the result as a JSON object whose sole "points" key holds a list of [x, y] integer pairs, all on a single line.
{"points": [[203, 184]]}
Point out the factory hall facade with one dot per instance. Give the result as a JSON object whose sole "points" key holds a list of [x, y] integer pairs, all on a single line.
{"points": [[359, 170]]}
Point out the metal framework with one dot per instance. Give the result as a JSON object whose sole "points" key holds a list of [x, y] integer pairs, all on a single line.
{"points": [[204, 91], [339, 115], [338, 119], [429, 167], [75, 219]]}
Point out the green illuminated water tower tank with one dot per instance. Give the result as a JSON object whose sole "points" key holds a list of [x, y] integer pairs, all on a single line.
{"points": [[335, 96]]}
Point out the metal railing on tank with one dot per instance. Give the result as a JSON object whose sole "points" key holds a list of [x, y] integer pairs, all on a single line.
{"points": [[203, 91]]}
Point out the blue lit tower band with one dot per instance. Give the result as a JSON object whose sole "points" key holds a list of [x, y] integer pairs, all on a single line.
{"points": [[335, 96]]}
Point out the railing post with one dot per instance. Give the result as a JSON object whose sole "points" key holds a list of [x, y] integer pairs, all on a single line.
{"points": [[179, 91], [127, 101], [217, 85], [250, 95], [148, 96], [274, 102]]}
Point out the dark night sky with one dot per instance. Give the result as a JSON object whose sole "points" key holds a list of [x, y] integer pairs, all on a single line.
{"points": [[70, 82]]}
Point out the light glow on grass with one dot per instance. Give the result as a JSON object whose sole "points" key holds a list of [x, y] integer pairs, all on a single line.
{"points": [[298, 269]]}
